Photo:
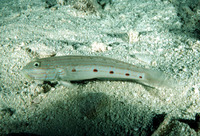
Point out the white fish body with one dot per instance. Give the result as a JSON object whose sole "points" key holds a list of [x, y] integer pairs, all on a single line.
{"points": [[74, 68]]}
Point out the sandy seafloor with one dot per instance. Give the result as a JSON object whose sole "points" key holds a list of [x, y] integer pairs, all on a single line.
{"points": [[147, 33]]}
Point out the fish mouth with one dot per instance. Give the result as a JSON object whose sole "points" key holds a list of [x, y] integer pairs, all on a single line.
{"points": [[26, 75]]}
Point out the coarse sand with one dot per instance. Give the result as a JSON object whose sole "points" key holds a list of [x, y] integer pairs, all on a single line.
{"points": [[155, 34]]}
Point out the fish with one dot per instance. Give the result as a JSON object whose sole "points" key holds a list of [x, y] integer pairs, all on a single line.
{"points": [[77, 68]]}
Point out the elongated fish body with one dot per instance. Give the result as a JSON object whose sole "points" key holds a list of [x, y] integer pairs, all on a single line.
{"points": [[74, 68]]}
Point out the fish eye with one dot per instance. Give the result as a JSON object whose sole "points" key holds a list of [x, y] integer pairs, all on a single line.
{"points": [[36, 64]]}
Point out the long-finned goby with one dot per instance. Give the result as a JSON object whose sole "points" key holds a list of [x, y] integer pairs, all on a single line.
{"points": [[74, 68]]}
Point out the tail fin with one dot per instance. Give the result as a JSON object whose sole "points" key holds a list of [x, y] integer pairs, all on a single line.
{"points": [[158, 79]]}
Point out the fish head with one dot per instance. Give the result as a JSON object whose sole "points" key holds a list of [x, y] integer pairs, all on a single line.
{"points": [[36, 70]]}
